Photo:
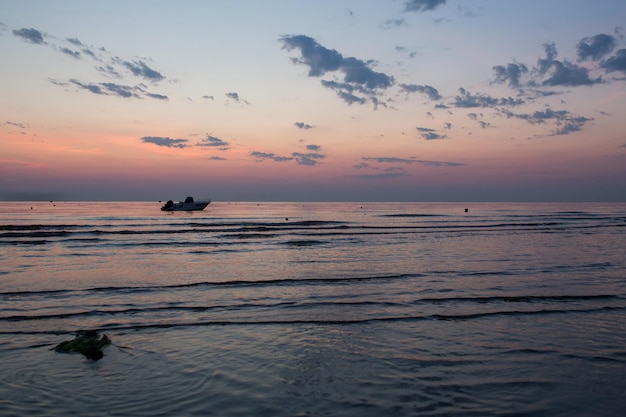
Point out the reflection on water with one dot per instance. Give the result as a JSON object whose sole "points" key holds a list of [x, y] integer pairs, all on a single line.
{"points": [[315, 309]]}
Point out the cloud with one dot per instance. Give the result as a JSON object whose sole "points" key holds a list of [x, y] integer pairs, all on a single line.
{"points": [[430, 134], [358, 76], [395, 160], [431, 92], [271, 156], [422, 5], [217, 158], [474, 117], [31, 35], [465, 99], [313, 147], [616, 62], [380, 175], [208, 98], [107, 89], [212, 141], [165, 141], [511, 74], [307, 158], [235, 97], [16, 124], [393, 23], [140, 69], [68, 51], [552, 72], [157, 96], [304, 126], [564, 121], [563, 73], [595, 47]]}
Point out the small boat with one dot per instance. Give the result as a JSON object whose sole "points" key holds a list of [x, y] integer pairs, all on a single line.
{"points": [[188, 205]]}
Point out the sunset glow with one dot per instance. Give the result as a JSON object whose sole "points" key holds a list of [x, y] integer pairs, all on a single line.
{"points": [[412, 100]]}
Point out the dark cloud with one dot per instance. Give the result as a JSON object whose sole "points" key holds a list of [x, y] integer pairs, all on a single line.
{"points": [[595, 47], [68, 51], [465, 99], [271, 156], [422, 5], [121, 90], [564, 121], [235, 97], [430, 134], [358, 76], [482, 123], [212, 141], [313, 147], [431, 92], [552, 72], [74, 41], [395, 160], [107, 89], [165, 141], [157, 96], [562, 73], [617, 62], [31, 35], [217, 158], [307, 158], [302, 125], [208, 98], [510, 73], [140, 69]]}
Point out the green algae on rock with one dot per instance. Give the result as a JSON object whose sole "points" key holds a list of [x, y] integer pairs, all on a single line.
{"points": [[88, 343]]}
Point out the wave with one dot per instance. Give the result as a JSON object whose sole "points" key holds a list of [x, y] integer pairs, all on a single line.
{"points": [[121, 327]]}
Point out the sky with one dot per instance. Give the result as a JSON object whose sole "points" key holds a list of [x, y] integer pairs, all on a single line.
{"points": [[283, 100]]}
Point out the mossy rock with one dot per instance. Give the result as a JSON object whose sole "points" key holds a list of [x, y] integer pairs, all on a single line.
{"points": [[88, 343]]}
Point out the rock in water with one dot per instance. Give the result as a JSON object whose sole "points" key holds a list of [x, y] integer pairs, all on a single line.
{"points": [[88, 342]]}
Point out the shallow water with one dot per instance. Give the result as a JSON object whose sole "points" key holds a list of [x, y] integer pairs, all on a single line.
{"points": [[314, 309]]}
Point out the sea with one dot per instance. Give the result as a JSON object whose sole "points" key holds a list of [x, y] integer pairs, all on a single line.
{"points": [[314, 309]]}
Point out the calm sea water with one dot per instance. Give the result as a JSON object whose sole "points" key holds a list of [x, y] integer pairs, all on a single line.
{"points": [[315, 309]]}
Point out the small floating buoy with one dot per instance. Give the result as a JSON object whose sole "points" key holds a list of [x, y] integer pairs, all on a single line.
{"points": [[286, 219], [466, 210]]}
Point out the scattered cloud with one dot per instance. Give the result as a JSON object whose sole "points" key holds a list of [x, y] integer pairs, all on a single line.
{"points": [[422, 5], [616, 62], [166, 142], [236, 98], [16, 124], [393, 23], [313, 147], [595, 47], [260, 156], [465, 99], [430, 134], [510, 73], [70, 52], [360, 82], [395, 160], [140, 69], [31, 35], [305, 126], [213, 141], [307, 158], [429, 91], [564, 121]]}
